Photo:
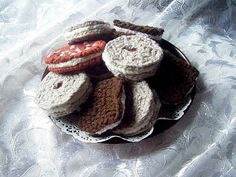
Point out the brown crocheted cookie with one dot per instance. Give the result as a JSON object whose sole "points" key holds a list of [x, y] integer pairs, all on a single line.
{"points": [[174, 79], [104, 109], [144, 29]]}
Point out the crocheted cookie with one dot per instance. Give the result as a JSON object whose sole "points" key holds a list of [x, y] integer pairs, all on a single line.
{"points": [[89, 30], [62, 94], [142, 107], [104, 109], [75, 57], [130, 28], [132, 57], [174, 79]]}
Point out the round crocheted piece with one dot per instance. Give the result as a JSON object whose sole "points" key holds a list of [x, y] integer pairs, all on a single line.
{"points": [[142, 107], [153, 31], [132, 55], [86, 31], [104, 109], [175, 79], [135, 76], [75, 57], [62, 94]]}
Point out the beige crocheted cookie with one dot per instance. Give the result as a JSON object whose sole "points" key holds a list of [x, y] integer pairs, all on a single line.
{"points": [[142, 107], [62, 94], [132, 56], [86, 31]]}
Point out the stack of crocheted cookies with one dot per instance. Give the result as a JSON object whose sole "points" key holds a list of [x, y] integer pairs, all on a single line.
{"points": [[103, 77]]}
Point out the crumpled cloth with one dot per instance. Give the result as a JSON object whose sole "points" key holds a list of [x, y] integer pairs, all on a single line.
{"points": [[201, 144]]}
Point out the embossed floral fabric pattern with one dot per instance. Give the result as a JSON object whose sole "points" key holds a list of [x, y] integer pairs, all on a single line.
{"points": [[202, 143]]}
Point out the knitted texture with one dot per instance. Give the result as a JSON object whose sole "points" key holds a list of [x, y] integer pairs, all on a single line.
{"points": [[62, 94], [87, 31], [174, 79], [68, 53], [128, 56], [103, 108], [77, 67], [116, 34], [87, 23], [142, 106], [144, 29]]}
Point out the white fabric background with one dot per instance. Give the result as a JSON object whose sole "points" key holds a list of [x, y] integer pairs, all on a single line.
{"points": [[201, 144]]}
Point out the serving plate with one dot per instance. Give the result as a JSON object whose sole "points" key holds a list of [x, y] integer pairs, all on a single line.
{"points": [[167, 116]]}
